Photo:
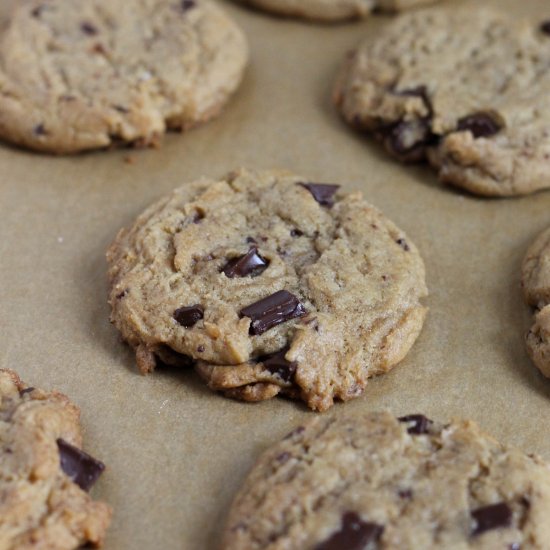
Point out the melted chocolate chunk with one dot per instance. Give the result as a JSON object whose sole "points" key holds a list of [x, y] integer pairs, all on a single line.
{"points": [[82, 468], [200, 349], [545, 27], [187, 316], [273, 310], [122, 294], [354, 534], [323, 193], [88, 28], [250, 263], [188, 4], [419, 424], [296, 233], [251, 240], [26, 390], [277, 364], [39, 130], [407, 140], [491, 517], [480, 124], [406, 494]]}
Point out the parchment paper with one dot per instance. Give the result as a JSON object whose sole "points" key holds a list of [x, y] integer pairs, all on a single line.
{"points": [[177, 453]]}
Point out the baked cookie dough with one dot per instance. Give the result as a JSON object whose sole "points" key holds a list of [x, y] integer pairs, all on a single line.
{"points": [[44, 474], [333, 10], [536, 286], [375, 481], [86, 75], [272, 283], [466, 89]]}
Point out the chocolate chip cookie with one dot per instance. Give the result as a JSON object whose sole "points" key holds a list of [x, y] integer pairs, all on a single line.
{"points": [[464, 89], [44, 475], [380, 482], [536, 286], [85, 75], [274, 284], [333, 10]]}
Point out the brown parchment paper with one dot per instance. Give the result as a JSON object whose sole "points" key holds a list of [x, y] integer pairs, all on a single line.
{"points": [[177, 453]]}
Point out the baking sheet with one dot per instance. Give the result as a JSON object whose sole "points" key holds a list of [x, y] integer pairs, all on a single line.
{"points": [[177, 453]]}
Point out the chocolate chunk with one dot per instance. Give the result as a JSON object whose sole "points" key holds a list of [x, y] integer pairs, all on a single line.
{"points": [[545, 27], [354, 534], [39, 130], [276, 363], [26, 390], [296, 233], [250, 263], [419, 424], [88, 28], [408, 140], [188, 4], [273, 310], [82, 468], [323, 193], [491, 517], [122, 294], [403, 244], [121, 109], [187, 316], [251, 240], [198, 216], [421, 92], [37, 12], [200, 349], [480, 124], [406, 494]]}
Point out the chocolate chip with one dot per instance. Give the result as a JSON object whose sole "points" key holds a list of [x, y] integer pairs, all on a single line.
{"points": [[354, 534], [187, 316], [545, 27], [273, 310], [121, 109], [88, 28], [403, 244], [198, 216], [276, 363], [26, 390], [251, 240], [491, 517], [82, 468], [406, 494], [323, 193], [296, 233], [283, 457], [200, 349], [122, 294], [408, 140], [480, 124], [40, 130], [250, 263], [37, 12], [419, 424], [188, 4]]}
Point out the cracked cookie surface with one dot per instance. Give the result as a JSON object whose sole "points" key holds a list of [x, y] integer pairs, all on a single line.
{"points": [[375, 481], [536, 287], [272, 284], [77, 76], [465, 89], [44, 475], [333, 10]]}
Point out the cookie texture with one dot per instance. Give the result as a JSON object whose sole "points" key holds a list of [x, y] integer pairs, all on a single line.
{"points": [[271, 283], [333, 10], [536, 286], [76, 76], [42, 472], [375, 481], [417, 88]]}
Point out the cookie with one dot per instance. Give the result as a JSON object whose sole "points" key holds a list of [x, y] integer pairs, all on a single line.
{"points": [[536, 286], [44, 475], [376, 481], [464, 89], [77, 76], [333, 10], [272, 283]]}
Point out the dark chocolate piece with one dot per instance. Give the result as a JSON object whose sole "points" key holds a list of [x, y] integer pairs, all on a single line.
{"points": [[82, 468], [273, 310], [323, 193], [88, 28], [276, 363], [296, 233], [419, 424], [406, 494], [491, 517], [251, 240], [200, 348], [40, 130], [407, 140], [545, 27], [188, 4], [480, 124], [26, 390], [403, 244], [354, 534], [250, 263], [187, 316]]}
